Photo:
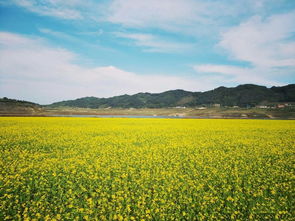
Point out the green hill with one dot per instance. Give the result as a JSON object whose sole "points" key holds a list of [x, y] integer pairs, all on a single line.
{"points": [[242, 96], [14, 106]]}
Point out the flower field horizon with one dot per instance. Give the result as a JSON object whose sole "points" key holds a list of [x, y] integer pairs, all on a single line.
{"points": [[146, 169]]}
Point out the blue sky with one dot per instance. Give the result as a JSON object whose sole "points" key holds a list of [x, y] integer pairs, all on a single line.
{"points": [[54, 50]]}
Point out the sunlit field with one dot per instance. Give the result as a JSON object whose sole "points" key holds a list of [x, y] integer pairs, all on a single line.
{"points": [[146, 169]]}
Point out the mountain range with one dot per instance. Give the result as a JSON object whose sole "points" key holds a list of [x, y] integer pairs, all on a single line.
{"points": [[246, 95]]}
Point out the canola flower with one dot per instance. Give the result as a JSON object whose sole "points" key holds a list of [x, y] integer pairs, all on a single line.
{"points": [[146, 169]]}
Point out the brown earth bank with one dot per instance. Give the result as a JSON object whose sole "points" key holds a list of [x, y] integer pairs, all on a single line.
{"points": [[223, 113]]}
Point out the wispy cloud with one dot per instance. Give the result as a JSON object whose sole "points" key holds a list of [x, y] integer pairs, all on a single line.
{"points": [[153, 43], [62, 9], [77, 40], [233, 74], [57, 34], [190, 17], [152, 13], [186, 16]]}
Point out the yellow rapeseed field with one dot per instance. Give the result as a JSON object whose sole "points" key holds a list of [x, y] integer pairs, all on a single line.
{"points": [[146, 169]]}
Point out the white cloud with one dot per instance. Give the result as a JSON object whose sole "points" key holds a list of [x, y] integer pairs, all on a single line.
{"points": [[266, 44], [152, 43], [33, 70], [262, 42]]}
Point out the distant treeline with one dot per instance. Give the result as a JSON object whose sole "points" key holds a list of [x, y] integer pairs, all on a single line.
{"points": [[246, 95], [8, 101]]}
